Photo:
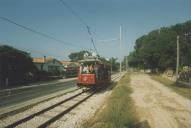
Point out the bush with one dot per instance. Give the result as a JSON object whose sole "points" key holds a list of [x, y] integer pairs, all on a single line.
{"points": [[16, 67], [185, 76]]}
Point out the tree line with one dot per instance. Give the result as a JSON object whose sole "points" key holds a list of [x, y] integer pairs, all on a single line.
{"points": [[157, 49]]}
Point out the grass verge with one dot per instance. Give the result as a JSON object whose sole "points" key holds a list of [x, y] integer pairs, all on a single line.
{"points": [[180, 89], [119, 111]]}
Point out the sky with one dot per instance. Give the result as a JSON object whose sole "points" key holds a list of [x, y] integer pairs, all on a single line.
{"points": [[104, 17]]}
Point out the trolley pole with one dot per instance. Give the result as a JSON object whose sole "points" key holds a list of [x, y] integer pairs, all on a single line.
{"points": [[120, 44], [177, 57]]}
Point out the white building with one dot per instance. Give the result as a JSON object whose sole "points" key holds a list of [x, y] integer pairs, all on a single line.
{"points": [[69, 64], [49, 64]]}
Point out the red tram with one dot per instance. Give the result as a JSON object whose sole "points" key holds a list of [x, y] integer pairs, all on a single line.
{"points": [[93, 72]]}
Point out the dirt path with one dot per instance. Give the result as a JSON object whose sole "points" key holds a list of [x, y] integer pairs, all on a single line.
{"points": [[159, 105]]}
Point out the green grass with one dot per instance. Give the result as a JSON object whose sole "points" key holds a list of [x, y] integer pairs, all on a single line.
{"points": [[119, 110], [180, 89]]}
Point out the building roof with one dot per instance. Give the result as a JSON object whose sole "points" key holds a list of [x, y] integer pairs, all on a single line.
{"points": [[68, 63]]}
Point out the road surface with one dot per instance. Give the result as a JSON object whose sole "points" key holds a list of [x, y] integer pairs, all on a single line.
{"points": [[25, 93], [158, 105]]}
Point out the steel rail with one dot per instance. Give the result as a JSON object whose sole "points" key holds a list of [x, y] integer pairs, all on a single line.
{"points": [[58, 116], [41, 111], [14, 112], [53, 119]]}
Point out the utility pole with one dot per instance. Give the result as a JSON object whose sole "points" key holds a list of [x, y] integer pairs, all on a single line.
{"points": [[177, 57], [126, 62], [111, 65], [120, 44]]}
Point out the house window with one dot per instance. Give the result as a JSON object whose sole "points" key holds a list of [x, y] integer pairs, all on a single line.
{"points": [[54, 61], [41, 66], [50, 68]]}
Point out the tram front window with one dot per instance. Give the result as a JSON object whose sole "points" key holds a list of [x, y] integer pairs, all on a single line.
{"points": [[87, 69]]}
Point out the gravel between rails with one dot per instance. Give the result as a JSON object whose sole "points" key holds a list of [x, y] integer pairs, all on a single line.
{"points": [[12, 119], [86, 110], [71, 120], [38, 120]]}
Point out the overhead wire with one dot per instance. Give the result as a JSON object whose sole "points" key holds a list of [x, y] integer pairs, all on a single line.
{"points": [[83, 22], [91, 38], [42, 53], [73, 12], [76, 15], [37, 32]]}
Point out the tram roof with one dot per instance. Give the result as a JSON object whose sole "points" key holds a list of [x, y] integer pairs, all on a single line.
{"points": [[90, 59]]}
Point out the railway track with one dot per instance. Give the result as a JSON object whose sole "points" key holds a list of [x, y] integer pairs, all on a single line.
{"points": [[26, 107], [16, 119], [116, 76], [53, 112]]}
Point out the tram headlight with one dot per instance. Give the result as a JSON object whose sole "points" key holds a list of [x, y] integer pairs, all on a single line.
{"points": [[85, 78]]}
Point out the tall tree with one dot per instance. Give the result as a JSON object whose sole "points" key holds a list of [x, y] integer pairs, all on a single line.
{"points": [[15, 66], [75, 56], [158, 48]]}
